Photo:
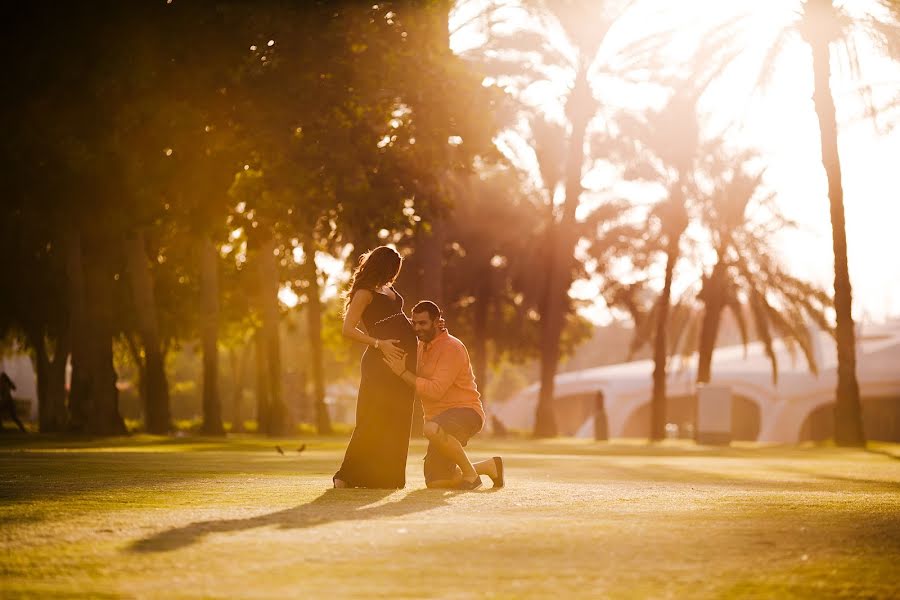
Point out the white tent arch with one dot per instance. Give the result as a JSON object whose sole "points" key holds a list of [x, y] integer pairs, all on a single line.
{"points": [[783, 407]]}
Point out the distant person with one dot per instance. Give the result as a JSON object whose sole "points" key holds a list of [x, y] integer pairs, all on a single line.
{"points": [[377, 453], [445, 384], [7, 403]]}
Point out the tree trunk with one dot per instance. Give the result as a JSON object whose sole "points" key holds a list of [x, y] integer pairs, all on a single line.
{"points": [[56, 386], [103, 416], [848, 428], [51, 382], [430, 249], [480, 337], [156, 411], [209, 292], [658, 399], [709, 331], [79, 386], [714, 304], [314, 330], [268, 273], [234, 365], [262, 384], [238, 372], [41, 365], [140, 366], [562, 253]]}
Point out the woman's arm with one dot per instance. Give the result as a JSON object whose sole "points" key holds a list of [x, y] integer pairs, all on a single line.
{"points": [[361, 299]]}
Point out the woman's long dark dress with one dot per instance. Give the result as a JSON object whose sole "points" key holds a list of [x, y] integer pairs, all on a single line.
{"points": [[376, 456]]}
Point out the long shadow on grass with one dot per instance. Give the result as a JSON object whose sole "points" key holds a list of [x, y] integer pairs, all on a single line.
{"points": [[332, 506], [27, 476]]}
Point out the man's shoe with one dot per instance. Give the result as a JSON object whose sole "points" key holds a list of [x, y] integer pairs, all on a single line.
{"points": [[498, 465], [469, 485]]}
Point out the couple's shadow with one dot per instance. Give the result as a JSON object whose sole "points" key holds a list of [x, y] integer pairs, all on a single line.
{"points": [[333, 505]]}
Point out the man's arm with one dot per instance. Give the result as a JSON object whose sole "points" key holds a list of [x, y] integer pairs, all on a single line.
{"points": [[398, 366], [408, 377], [449, 364]]}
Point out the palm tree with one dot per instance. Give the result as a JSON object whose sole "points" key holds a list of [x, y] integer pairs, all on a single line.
{"points": [[832, 32], [746, 274], [567, 38], [745, 279], [666, 146]]}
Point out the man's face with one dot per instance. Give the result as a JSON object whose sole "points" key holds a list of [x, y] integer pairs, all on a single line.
{"points": [[424, 327]]}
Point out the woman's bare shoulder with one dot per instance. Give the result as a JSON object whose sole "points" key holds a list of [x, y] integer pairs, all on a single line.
{"points": [[363, 294]]}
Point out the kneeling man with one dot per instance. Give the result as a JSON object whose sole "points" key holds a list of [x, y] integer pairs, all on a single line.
{"points": [[453, 412]]}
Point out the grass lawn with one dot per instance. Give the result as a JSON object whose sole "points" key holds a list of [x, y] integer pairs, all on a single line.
{"points": [[189, 518]]}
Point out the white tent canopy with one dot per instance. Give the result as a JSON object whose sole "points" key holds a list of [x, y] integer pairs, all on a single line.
{"points": [[783, 407]]}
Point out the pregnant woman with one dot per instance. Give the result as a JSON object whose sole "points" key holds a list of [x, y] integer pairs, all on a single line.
{"points": [[376, 456]]}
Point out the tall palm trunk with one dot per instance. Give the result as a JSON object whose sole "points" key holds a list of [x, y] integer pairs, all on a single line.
{"points": [[209, 292], [660, 346], [713, 305], [156, 386], [562, 252], [848, 428], [268, 273], [314, 328], [674, 219]]}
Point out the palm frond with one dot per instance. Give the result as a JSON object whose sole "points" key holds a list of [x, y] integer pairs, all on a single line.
{"points": [[683, 324], [645, 53], [865, 89], [804, 336], [510, 67], [885, 33], [770, 60], [549, 142], [488, 16], [737, 311], [758, 310], [793, 334]]}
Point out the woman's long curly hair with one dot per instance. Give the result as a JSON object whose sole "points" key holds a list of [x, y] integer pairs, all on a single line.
{"points": [[376, 268]]}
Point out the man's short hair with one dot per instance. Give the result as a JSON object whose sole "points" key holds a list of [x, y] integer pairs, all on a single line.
{"points": [[427, 306]]}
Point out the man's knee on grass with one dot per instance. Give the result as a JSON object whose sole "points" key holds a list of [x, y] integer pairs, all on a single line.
{"points": [[435, 433], [446, 481]]}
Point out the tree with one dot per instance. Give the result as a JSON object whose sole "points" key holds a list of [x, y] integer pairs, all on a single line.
{"points": [[746, 273], [484, 305], [314, 325], [154, 383], [825, 27], [666, 147], [527, 57]]}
